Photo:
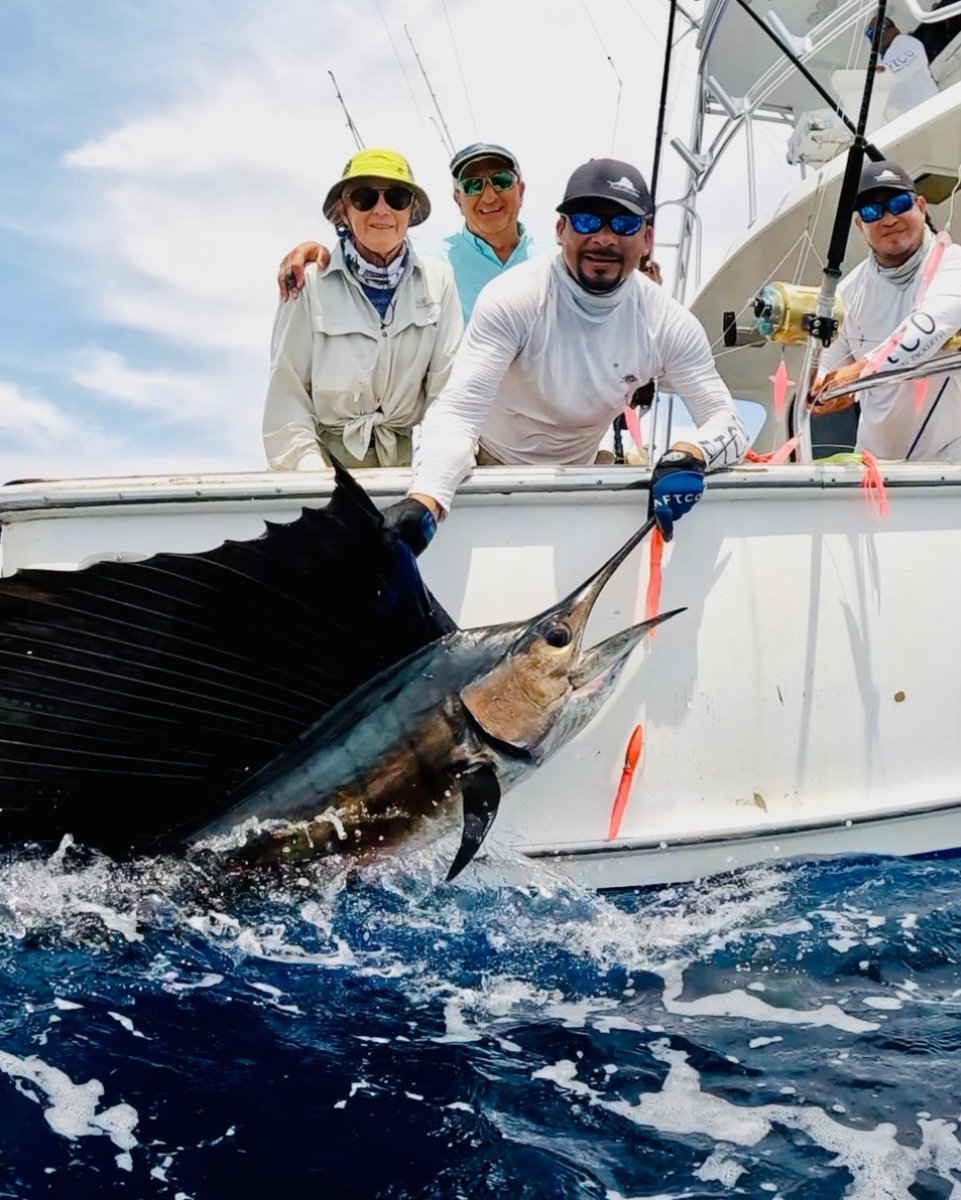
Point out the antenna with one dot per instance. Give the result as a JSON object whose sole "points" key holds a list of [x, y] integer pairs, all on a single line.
{"points": [[446, 140], [350, 123]]}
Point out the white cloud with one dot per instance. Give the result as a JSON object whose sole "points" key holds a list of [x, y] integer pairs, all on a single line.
{"points": [[175, 396], [33, 420], [178, 217]]}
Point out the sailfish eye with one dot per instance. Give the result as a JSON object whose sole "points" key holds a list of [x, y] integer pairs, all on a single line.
{"points": [[558, 636]]}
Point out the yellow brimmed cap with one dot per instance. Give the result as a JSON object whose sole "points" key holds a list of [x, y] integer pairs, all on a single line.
{"points": [[383, 165]]}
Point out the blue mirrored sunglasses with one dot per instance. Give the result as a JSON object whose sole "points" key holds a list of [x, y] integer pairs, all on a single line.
{"points": [[624, 224], [897, 205]]}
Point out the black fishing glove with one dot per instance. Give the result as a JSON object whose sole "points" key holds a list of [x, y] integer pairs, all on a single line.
{"points": [[412, 522], [677, 483]]}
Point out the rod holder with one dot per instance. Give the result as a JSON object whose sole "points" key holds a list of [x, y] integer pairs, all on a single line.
{"points": [[697, 162]]}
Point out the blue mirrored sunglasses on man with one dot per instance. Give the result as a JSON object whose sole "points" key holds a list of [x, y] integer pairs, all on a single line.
{"points": [[623, 224], [897, 205], [869, 32]]}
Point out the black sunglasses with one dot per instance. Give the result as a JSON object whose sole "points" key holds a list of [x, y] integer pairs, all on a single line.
{"points": [[365, 198]]}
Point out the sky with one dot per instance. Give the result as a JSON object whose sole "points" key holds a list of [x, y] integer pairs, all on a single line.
{"points": [[158, 160]]}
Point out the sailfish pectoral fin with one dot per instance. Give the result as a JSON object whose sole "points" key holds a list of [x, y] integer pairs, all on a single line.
{"points": [[481, 796]]}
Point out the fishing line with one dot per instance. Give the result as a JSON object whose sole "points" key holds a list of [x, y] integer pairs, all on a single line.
{"points": [[954, 192]]}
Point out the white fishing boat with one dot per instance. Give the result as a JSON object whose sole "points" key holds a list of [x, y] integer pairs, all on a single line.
{"points": [[806, 702]]}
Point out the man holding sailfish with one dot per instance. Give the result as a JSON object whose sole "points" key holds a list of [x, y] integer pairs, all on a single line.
{"points": [[900, 307], [555, 349]]}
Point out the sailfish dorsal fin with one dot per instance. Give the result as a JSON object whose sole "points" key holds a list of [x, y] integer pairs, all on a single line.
{"points": [[134, 696]]}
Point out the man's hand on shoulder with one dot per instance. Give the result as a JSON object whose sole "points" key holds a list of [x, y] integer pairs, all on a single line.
{"points": [[290, 275], [677, 484]]}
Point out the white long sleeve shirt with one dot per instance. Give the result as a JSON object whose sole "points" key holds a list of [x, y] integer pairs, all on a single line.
{"points": [[879, 302], [545, 367], [911, 79], [337, 369]]}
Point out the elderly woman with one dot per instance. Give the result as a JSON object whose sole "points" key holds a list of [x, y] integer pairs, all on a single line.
{"points": [[367, 345]]}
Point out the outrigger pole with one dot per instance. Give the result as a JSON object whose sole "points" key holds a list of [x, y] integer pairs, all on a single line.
{"points": [[358, 140]]}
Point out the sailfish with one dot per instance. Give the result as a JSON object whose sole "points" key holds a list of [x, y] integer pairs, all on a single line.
{"points": [[300, 693]]}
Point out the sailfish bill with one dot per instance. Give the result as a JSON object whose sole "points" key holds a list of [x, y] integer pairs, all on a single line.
{"points": [[301, 692]]}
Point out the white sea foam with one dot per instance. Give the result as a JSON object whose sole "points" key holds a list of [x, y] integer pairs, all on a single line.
{"points": [[882, 1167], [740, 1003], [127, 1024], [72, 1110], [719, 1168], [172, 983]]}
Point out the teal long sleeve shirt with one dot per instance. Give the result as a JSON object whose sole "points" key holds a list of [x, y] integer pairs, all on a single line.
{"points": [[475, 264]]}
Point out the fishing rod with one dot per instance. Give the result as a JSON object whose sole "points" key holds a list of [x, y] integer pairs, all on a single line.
{"points": [[655, 177], [944, 364], [446, 140], [823, 325], [358, 140], [662, 103]]}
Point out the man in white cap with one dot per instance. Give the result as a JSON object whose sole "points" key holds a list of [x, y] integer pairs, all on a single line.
{"points": [[556, 348], [882, 308], [489, 191]]}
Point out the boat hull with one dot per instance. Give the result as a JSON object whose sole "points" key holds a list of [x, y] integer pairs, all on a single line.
{"points": [[808, 701]]}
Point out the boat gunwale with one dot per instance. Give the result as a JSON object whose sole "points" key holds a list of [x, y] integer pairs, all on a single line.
{"points": [[20, 501], [664, 843]]}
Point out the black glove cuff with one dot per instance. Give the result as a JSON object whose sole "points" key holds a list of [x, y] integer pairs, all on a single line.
{"points": [[677, 460]]}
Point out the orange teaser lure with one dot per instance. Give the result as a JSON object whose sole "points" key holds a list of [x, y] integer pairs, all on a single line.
{"points": [[781, 384], [634, 748]]}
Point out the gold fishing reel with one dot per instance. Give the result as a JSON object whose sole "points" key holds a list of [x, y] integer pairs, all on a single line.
{"points": [[783, 312]]}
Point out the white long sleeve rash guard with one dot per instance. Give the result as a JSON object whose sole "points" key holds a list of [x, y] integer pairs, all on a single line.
{"points": [[546, 366], [911, 79], [880, 302]]}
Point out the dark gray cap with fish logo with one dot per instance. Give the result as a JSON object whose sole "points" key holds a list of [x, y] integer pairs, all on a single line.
{"points": [[885, 176], [608, 179]]}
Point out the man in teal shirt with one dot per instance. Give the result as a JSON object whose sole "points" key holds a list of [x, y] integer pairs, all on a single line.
{"points": [[489, 191]]}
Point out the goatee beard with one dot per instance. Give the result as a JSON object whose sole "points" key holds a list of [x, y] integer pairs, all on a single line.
{"points": [[599, 287]]}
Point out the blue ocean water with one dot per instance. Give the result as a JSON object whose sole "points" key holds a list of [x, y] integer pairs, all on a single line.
{"points": [[788, 1031]]}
